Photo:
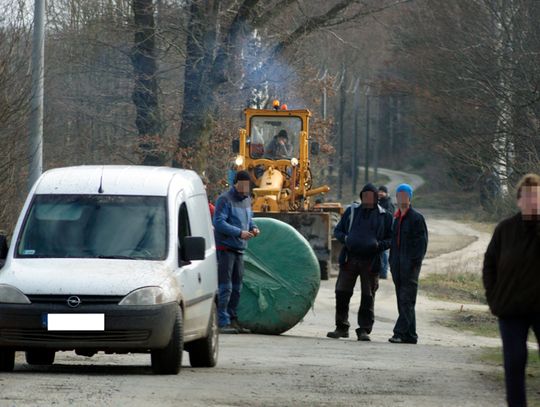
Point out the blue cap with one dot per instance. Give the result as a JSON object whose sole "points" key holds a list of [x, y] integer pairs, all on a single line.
{"points": [[405, 188]]}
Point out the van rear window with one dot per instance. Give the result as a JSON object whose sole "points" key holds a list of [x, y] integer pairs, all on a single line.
{"points": [[95, 226]]}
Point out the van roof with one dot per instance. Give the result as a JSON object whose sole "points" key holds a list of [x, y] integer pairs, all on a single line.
{"points": [[114, 180]]}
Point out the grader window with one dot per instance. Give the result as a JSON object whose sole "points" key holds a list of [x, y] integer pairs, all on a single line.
{"points": [[274, 138]]}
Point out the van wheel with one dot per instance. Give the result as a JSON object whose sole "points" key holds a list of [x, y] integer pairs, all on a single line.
{"points": [[169, 359], [40, 356], [7, 360], [204, 352]]}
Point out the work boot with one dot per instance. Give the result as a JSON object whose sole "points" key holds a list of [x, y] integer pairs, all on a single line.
{"points": [[239, 328], [228, 329], [398, 339], [362, 335], [338, 333]]}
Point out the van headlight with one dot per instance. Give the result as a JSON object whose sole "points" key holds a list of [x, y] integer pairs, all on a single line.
{"points": [[12, 295], [147, 296]]}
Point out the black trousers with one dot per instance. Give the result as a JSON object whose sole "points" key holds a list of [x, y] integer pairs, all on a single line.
{"points": [[369, 283], [514, 332], [406, 283]]}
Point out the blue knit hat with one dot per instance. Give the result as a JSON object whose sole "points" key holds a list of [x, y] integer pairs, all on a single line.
{"points": [[405, 188]]}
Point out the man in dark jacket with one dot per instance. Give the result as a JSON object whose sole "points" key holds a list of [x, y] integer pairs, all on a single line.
{"points": [[365, 232], [511, 276], [233, 227], [279, 147], [409, 245], [386, 202]]}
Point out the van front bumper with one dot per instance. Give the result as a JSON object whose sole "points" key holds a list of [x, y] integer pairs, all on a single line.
{"points": [[127, 328]]}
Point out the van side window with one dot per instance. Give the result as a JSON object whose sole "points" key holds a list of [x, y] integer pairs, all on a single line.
{"points": [[200, 218], [183, 223]]}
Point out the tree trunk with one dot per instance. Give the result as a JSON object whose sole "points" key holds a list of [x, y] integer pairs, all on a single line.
{"points": [[145, 93], [199, 85]]}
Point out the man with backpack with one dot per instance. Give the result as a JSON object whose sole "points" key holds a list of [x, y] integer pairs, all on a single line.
{"points": [[365, 232]]}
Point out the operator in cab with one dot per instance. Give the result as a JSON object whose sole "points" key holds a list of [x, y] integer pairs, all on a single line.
{"points": [[279, 147]]}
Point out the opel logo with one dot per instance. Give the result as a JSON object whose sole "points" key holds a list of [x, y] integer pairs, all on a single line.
{"points": [[73, 301]]}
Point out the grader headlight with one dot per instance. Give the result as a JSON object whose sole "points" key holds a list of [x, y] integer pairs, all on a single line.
{"points": [[239, 161], [294, 161]]}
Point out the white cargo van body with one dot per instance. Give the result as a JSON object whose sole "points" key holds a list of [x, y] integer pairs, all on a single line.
{"points": [[129, 246]]}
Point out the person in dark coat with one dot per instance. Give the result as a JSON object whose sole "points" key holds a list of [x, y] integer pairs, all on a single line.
{"points": [[386, 202], [365, 232], [511, 276], [279, 147], [233, 227], [409, 246]]}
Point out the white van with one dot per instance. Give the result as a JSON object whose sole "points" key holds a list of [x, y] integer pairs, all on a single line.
{"points": [[111, 258]]}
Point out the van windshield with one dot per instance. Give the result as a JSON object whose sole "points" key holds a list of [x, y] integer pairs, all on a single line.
{"points": [[95, 226]]}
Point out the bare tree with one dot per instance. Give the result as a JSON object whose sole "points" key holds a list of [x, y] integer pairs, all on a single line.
{"points": [[145, 92], [474, 69], [14, 107], [218, 45]]}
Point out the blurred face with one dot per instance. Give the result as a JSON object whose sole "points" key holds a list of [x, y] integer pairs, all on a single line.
{"points": [[368, 199], [382, 194], [529, 202], [403, 200], [242, 187]]}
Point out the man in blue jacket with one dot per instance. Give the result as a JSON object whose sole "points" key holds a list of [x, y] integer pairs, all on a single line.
{"points": [[409, 245], [365, 232], [233, 227]]}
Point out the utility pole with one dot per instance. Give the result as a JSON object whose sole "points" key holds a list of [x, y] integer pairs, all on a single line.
{"points": [[342, 100], [366, 175], [377, 135], [355, 139], [36, 117]]}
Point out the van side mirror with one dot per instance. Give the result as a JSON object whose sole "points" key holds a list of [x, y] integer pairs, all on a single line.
{"points": [[3, 249], [236, 146], [192, 248], [315, 148]]}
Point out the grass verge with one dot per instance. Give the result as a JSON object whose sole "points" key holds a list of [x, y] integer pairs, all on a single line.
{"points": [[454, 286], [481, 323]]}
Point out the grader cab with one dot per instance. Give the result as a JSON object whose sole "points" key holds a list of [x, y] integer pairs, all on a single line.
{"points": [[274, 148]]}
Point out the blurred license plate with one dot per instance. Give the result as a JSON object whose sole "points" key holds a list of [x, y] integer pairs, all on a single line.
{"points": [[75, 322]]}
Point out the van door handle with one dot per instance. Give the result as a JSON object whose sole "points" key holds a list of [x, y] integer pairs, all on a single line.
{"points": [[199, 277]]}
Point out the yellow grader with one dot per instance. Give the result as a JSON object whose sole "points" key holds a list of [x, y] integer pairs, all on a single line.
{"points": [[274, 148]]}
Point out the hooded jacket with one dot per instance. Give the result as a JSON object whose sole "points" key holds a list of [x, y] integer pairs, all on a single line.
{"points": [[364, 233], [388, 205], [511, 271]]}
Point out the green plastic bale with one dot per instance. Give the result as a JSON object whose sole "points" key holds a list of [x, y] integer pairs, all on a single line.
{"points": [[281, 279]]}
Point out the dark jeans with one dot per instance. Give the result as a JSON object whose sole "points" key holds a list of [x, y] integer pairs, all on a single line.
{"points": [[369, 283], [230, 273], [514, 332], [406, 283]]}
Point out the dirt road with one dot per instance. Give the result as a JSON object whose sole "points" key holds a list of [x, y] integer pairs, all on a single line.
{"points": [[299, 368]]}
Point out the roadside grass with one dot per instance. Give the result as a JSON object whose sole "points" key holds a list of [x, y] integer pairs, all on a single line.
{"points": [[466, 288], [425, 197], [455, 286], [493, 357], [481, 323]]}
